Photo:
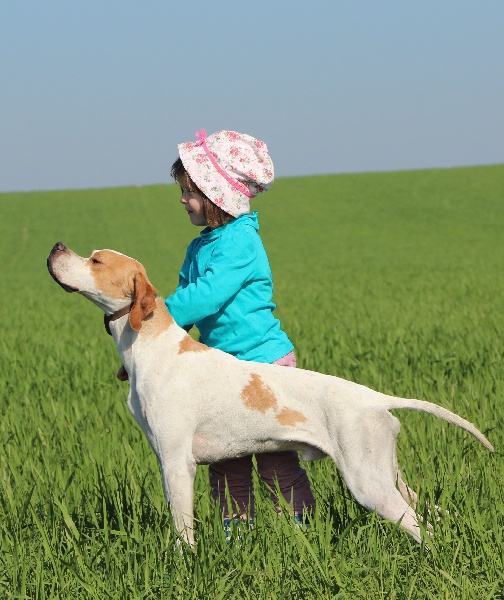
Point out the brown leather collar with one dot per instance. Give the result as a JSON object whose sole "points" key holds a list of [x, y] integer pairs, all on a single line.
{"points": [[113, 317]]}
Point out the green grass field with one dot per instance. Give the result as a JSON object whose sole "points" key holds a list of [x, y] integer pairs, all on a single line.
{"points": [[393, 280]]}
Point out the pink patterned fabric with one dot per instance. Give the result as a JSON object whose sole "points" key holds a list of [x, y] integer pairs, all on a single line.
{"points": [[230, 168], [241, 187], [289, 360]]}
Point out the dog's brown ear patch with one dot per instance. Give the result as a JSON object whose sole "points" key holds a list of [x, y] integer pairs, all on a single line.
{"points": [[257, 395], [144, 300], [187, 344], [288, 416]]}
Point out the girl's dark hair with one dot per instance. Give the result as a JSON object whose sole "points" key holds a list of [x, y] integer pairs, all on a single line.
{"points": [[214, 215]]}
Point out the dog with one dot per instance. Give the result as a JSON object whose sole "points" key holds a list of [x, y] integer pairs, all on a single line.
{"points": [[181, 392]]}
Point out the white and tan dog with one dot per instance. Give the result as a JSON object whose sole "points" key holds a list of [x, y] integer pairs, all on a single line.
{"points": [[181, 392]]}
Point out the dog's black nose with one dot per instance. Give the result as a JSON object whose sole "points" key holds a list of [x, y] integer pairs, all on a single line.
{"points": [[58, 247]]}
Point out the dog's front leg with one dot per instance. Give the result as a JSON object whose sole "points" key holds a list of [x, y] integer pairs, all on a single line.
{"points": [[178, 481]]}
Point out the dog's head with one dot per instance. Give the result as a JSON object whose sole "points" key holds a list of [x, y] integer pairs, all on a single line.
{"points": [[109, 279]]}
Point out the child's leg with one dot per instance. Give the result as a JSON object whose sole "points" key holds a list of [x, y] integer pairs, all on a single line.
{"points": [[237, 472], [284, 468]]}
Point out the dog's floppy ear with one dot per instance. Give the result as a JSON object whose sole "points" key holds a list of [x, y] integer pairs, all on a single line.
{"points": [[144, 301]]}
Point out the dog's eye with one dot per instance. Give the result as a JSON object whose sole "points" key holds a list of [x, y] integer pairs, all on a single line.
{"points": [[95, 261]]}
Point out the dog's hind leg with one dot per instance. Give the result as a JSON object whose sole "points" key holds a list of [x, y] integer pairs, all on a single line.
{"points": [[411, 498], [406, 492], [369, 466]]}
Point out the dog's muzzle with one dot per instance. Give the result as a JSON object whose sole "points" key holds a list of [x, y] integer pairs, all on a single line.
{"points": [[58, 250]]}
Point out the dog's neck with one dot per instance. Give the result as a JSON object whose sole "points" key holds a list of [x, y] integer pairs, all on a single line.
{"points": [[121, 334], [114, 316], [157, 322]]}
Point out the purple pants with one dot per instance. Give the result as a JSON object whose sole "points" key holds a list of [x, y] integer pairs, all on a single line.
{"points": [[281, 467]]}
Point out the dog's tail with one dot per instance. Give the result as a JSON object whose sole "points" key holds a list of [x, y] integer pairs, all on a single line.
{"points": [[443, 413]]}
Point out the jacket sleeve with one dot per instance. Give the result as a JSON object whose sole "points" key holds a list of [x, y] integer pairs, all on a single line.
{"points": [[184, 271], [231, 266]]}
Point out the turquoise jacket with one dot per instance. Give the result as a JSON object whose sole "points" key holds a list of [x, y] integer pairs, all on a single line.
{"points": [[225, 289]]}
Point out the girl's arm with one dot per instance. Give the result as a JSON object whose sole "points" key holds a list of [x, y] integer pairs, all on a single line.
{"points": [[184, 280], [184, 271], [230, 267]]}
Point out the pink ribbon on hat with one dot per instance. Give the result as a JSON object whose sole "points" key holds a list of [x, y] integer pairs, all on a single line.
{"points": [[202, 137], [241, 187]]}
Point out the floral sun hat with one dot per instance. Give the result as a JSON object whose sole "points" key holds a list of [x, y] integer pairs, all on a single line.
{"points": [[230, 168]]}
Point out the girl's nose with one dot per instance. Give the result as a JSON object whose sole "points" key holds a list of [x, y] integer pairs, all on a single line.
{"points": [[183, 199]]}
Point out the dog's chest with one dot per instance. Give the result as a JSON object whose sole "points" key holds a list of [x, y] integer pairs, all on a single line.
{"points": [[138, 411]]}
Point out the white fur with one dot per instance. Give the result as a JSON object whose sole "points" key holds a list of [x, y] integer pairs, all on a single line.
{"points": [[192, 406]]}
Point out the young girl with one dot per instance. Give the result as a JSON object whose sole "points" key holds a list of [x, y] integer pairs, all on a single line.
{"points": [[225, 289]]}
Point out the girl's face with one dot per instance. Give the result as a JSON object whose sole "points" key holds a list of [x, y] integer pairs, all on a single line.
{"points": [[193, 203]]}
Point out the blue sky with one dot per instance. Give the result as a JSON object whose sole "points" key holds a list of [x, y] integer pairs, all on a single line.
{"points": [[99, 93]]}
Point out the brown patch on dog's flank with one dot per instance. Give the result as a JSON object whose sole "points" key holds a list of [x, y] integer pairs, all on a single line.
{"points": [[288, 416], [189, 345], [258, 396]]}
